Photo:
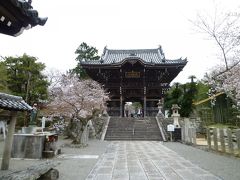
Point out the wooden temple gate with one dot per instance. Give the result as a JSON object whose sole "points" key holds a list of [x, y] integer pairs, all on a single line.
{"points": [[140, 75]]}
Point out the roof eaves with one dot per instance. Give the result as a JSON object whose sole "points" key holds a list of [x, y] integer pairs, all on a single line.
{"points": [[16, 103]]}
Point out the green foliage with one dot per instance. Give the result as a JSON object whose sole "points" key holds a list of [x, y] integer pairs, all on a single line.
{"points": [[136, 105], [84, 53], [25, 78], [173, 97], [202, 91], [187, 107], [183, 95], [3, 78]]}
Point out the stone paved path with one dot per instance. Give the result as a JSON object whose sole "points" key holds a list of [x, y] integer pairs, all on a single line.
{"points": [[145, 160]]}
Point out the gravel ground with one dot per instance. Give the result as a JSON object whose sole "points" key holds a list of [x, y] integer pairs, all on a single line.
{"points": [[225, 167], [76, 163]]}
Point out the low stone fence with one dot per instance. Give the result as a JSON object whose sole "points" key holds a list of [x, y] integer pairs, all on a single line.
{"points": [[189, 135], [224, 140], [188, 132]]}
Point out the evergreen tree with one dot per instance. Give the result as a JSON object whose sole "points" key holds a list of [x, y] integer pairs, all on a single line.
{"points": [[25, 78], [190, 90], [183, 95], [84, 53], [173, 97], [3, 78]]}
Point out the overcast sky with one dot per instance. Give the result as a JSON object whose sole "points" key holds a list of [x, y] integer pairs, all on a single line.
{"points": [[118, 24]]}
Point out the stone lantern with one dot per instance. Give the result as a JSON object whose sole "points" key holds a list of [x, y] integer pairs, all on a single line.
{"points": [[160, 106], [175, 115]]}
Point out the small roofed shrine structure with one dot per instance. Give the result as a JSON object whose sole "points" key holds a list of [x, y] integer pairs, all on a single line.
{"points": [[13, 104], [18, 15], [136, 75]]}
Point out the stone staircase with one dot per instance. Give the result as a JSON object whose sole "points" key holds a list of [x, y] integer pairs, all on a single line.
{"points": [[128, 128]]}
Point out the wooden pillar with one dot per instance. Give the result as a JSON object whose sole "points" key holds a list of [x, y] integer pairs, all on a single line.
{"points": [[121, 103], [144, 93], [121, 96], [145, 102], [8, 142], [121, 106]]}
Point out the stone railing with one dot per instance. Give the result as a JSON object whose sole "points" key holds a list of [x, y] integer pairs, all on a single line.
{"points": [[159, 119], [224, 140]]}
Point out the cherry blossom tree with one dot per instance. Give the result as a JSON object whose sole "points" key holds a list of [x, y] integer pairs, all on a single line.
{"points": [[79, 100], [227, 82], [223, 28]]}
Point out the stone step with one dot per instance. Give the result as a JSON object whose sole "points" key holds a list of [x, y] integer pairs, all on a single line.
{"points": [[133, 129], [132, 139]]}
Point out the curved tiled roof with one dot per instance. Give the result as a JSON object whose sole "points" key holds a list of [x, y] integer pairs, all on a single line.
{"points": [[16, 103], [113, 56], [17, 15]]}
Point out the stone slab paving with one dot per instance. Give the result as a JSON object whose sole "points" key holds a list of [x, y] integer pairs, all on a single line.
{"points": [[145, 160]]}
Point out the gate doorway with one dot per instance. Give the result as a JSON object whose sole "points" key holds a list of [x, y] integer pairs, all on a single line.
{"points": [[133, 109]]}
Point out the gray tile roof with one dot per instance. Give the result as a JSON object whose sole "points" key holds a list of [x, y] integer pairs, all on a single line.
{"points": [[17, 15], [16, 103], [112, 56]]}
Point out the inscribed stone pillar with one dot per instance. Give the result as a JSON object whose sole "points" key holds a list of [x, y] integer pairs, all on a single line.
{"points": [[8, 142], [187, 126], [230, 142], [222, 140], [215, 139], [194, 136], [208, 138], [190, 135], [238, 141], [183, 133]]}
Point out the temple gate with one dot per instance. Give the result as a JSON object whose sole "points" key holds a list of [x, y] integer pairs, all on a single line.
{"points": [[139, 75]]}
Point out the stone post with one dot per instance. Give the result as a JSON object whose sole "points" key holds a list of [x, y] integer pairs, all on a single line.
{"points": [[186, 129], [230, 142], [194, 136], [238, 141], [190, 135], [215, 139], [183, 133], [222, 140], [8, 142], [209, 138]]}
